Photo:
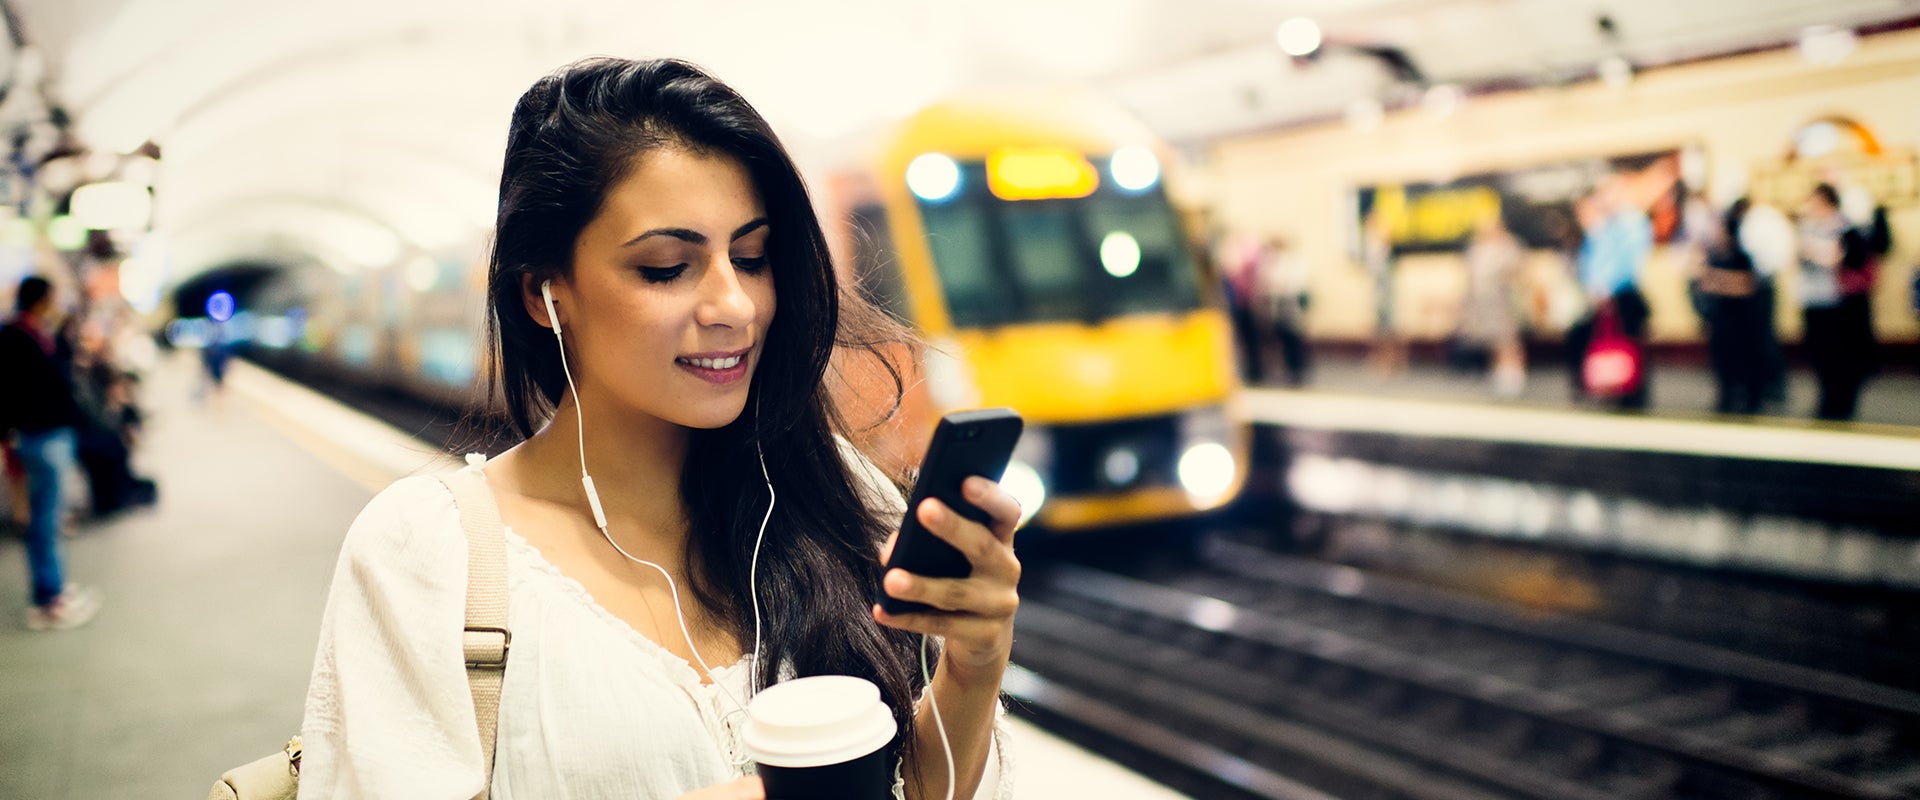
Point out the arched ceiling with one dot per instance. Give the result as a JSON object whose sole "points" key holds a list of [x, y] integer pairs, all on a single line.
{"points": [[339, 131]]}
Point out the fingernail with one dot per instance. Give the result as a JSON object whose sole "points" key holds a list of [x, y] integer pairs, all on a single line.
{"points": [[935, 513]]}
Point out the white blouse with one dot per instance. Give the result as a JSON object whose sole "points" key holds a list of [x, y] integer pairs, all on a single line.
{"points": [[589, 707]]}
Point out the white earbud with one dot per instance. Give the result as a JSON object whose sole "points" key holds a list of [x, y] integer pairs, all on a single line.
{"points": [[546, 293]]}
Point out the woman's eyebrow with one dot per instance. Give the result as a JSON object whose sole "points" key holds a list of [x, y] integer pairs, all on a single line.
{"points": [[748, 228], [695, 237], [683, 234]]}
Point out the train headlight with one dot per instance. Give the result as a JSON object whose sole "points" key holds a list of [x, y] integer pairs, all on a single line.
{"points": [[933, 177], [1025, 477], [1025, 484], [1206, 471], [1120, 254], [1134, 168], [1206, 466]]}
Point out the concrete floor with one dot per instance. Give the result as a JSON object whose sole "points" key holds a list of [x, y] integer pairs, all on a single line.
{"points": [[199, 658]]}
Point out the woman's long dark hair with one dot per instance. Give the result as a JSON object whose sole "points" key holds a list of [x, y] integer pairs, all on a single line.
{"points": [[577, 133]]}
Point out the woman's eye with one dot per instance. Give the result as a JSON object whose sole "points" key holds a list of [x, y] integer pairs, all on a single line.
{"points": [[662, 274], [754, 264]]}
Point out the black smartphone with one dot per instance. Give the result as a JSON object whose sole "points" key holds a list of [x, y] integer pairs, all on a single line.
{"points": [[965, 443]]}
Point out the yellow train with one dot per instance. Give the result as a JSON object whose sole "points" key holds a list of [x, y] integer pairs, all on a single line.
{"points": [[1030, 238]]}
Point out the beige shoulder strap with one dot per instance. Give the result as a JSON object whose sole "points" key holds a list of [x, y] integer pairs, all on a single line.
{"points": [[486, 637]]}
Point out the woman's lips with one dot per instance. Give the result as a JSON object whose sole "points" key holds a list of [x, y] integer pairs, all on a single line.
{"points": [[715, 368]]}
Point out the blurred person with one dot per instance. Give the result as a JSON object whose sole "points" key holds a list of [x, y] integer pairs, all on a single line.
{"points": [[1702, 230], [1618, 239], [1768, 237], [1737, 321], [1281, 286], [1490, 320], [649, 214], [1240, 268], [1838, 262], [40, 413], [1377, 253], [213, 356], [104, 438]]}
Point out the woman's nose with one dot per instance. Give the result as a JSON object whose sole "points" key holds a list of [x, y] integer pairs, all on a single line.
{"points": [[723, 300]]}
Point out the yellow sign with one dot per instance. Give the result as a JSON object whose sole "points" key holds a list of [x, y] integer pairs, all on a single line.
{"points": [[1435, 215], [1039, 173]]}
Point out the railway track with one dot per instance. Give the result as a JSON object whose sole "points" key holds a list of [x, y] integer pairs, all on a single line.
{"points": [[1335, 682]]}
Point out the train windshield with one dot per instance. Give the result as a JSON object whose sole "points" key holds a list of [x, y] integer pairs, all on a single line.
{"points": [[1087, 259]]}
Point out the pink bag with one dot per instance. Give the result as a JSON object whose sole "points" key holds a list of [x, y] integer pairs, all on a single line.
{"points": [[1614, 362]]}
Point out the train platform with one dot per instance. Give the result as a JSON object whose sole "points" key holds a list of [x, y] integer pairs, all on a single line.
{"points": [[199, 660], [1684, 390]]}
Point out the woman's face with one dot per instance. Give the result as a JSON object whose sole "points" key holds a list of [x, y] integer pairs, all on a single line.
{"points": [[667, 309], [1817, 207]]}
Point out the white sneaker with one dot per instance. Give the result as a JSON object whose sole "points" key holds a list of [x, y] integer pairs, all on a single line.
{"points": [[73, 608]]}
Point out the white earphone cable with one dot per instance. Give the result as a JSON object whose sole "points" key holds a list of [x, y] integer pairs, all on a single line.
{"points": [[946, 747], [753, 566], [600, 521], [753, 569]]}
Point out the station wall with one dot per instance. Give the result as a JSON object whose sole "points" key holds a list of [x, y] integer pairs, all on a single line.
{"points": [[1742, 113]]}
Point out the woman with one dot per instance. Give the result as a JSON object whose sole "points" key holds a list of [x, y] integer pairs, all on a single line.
{"points": [[691, 282], [1377, 253], [1737, 322], [1836, 281], [1489, 318]]}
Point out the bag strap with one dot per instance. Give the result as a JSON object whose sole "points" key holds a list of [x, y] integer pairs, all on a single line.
{"points": [[486, 638]]}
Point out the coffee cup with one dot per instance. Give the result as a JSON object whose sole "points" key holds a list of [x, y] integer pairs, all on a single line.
{"points": [[821, 737]]}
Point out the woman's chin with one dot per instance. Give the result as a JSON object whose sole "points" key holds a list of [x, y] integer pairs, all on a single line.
{"points": [[714, 418]]}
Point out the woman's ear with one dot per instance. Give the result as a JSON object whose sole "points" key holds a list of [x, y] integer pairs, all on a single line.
{"points": [[535, 304]]}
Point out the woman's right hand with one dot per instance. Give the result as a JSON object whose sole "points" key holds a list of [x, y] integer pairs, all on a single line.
{"points": [[747, 788]]}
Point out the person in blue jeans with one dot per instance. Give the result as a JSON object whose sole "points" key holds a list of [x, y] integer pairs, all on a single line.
{"points": [[40, 412]]}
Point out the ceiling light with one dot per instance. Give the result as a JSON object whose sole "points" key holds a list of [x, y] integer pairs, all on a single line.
{"points": [[66, 233], [1616, 72], [1365, 114], [1826, 44], [1817, 140], [113, 205], [1298, 36]]}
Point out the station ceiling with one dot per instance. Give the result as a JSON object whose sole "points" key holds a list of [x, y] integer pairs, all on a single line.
{"points": [[357, 132]]}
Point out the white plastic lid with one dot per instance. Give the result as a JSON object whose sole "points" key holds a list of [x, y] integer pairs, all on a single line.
{"points": [[812, 722]]}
